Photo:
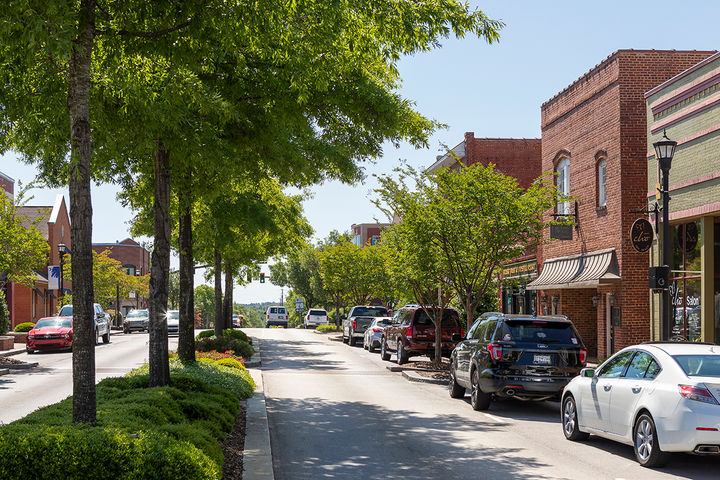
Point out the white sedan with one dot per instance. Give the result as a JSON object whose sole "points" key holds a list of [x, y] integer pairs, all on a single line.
{"points": [[658, 397]]}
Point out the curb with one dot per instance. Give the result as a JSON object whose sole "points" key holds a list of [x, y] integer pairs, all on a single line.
{"points": [[255, 361], [4, 371], [394, 368], [257, 454], [9, 353], [20, 366], [414, 377], [335, 338]]}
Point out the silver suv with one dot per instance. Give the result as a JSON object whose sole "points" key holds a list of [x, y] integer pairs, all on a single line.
{"points": [[102, 321]]}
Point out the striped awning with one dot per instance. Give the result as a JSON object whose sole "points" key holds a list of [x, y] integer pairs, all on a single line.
{"points": [[586, 270]]}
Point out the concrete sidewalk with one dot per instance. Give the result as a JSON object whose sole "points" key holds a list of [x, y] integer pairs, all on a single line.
{"points": [[257, 454]]}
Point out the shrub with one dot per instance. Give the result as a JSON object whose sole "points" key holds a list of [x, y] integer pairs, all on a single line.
{"points": [[239, 334], [230, 362], [24, 327], [327, 328], [204, 334], [4, 316], [224, 344]]}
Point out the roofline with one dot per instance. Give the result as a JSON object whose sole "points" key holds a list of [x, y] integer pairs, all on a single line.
{"points": [[7, 178], [59, 199], [116, 245], [682, 74]]}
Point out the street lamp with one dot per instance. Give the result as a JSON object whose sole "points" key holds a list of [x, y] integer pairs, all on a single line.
{"points": [[62, 250], [664, 151]]}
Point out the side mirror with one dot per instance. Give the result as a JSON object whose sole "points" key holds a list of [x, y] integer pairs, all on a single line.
{"points": [[456, 337], [587, 372]]}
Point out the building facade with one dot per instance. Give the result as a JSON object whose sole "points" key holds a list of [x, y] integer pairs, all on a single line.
{"points": [[687, 107], [594, 139], [367, 233], [135, 260]]}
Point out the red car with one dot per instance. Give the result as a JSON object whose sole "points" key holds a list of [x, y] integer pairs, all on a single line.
{"points": [[50, 333]]}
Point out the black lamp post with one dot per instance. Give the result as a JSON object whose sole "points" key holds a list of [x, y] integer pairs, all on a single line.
{"points": [[664, 151], [62, 249]]}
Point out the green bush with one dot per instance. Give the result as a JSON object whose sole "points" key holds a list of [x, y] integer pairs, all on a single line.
{"points": [[24, 327], [230, 362], [327, 328], [239, 334], [204, 334], [225, 344], [4, 316]]}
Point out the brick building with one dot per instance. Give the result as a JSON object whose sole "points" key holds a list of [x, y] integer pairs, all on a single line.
{"points": [[7, 184], [688, 107], [515, 157], [594, 137], [135, 260], [367, 233]]}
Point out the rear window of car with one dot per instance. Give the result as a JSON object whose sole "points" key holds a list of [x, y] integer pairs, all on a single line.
{"points": [[66, 311], [282, 311], [370, 312], [273, 310], [538, 331], [699, 365], [450, 318], [318, 312]]}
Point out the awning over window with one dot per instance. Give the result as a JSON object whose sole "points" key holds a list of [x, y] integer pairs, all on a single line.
{"points": [[39, 292], [586, 270]]}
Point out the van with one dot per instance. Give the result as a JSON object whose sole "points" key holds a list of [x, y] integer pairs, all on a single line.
{"points": [[276, 315]]}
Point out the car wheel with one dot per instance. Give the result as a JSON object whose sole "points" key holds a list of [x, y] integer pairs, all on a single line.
{"points": [[571, 427], [29, 351], [106, 338], [456, 390], [370, 347], [402, 357], [352, 340], [344, 338], [478, 399], [383, 351], [645, 443]]}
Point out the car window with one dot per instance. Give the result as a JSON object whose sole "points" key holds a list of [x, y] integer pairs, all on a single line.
{"points": [[174, 315], [539, 331], [369, 312], [474, 327], [273, 310], [490, 330], [282, 311], [318, 312], [702, 365], [652, 370], [479, 333], [639, 365], [450, 318], [54, 322], [66, 311], [615, 366]]}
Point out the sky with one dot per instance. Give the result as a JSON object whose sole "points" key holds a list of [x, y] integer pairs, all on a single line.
{"points": [[493, 90]]}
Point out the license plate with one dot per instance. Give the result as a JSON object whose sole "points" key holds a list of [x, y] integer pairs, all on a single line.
{"points": [[542, 359]]}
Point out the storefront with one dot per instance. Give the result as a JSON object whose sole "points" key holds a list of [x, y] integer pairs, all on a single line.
{"points": [[515, 297]]}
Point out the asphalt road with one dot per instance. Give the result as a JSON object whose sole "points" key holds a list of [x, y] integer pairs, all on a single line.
{"points": [[23, 391], [336, 412]]}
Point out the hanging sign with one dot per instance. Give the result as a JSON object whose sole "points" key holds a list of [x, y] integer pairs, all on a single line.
{"points": [[641, 235], [561, 232]]}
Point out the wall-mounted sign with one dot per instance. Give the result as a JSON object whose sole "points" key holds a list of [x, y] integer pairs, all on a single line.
{"points": [[561, 232], [519, 270], [641, 235], [691, 236]]}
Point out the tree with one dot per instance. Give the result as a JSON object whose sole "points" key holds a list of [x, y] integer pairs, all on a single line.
{"points": [[205, 304], [174, 290]]}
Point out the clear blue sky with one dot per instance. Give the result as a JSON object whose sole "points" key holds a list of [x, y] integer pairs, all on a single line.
{"points": [[492, 90]]}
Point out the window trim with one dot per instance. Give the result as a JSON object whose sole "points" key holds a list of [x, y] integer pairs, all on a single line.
{"points": [[601, 187], [563, 164]]}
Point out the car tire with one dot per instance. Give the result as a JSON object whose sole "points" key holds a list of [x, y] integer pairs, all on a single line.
{"points": [[370, 347], [29, 351], [402, 356], [383, 351], [478, 399], [106, 338], [344, 338], [645, 443], [352, 340], [456, 390], [571, 427]]}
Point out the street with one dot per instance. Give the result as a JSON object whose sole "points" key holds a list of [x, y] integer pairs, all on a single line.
{"points": [[336, 412], [23, 391]]}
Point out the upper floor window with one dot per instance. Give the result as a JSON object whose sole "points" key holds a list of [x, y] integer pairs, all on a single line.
{"points": [[563, 184], [601, 183]]}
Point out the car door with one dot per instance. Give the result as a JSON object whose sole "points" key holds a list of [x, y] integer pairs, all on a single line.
{"points": [[628, 390], [596, 407], [465, 349]]}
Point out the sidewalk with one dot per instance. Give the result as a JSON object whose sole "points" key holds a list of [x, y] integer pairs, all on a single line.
{"points": [[257, 454]]}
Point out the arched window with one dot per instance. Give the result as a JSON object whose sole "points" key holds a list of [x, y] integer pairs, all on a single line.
{"points": [[562, 181], [601, 183]]}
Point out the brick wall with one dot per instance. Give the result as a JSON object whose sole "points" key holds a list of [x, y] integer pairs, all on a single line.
{"points": [[603, 116], [515, 157]]}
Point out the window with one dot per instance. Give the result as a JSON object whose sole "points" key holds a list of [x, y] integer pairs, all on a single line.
{"points": [[615, 366], [562, 182], [601, 183], [641, 364], [490, 330], [474, 328]]}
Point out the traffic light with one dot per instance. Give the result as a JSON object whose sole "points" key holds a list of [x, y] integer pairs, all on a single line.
{"points": [[262, 278]]}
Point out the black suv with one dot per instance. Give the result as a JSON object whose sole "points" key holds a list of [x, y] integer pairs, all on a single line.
{"points": [[531, 358]]}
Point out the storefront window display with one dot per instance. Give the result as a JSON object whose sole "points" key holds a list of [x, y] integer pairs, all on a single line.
{"points": [[685, 281]]}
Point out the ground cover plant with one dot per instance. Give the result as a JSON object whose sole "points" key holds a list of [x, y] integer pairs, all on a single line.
{"points": [[327, 328]]}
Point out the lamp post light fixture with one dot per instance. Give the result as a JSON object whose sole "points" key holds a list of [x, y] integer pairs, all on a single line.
{"points": [[62, 250], [664, 152]]}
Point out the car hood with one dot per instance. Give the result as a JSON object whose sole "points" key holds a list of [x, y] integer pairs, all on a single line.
{"points": [[50, 331], [173, 322]]}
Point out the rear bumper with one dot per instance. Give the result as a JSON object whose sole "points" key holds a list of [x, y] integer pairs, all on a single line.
{"points": [[416, 347], [523, 385], [271, 323]]}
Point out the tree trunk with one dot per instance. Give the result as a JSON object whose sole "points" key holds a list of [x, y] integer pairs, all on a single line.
{"points": [[469, 311], [160, 272], [438, 339], [228, 300], [219, 323], [186, 336], [84, 406]]}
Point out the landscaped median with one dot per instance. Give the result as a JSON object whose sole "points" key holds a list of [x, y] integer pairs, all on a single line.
{"points": [[141, 432]]}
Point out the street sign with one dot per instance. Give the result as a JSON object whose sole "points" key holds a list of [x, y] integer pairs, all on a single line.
{"points": [[299, 304], [641, 235]]}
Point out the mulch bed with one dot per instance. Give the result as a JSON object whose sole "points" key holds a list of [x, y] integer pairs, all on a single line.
{"points": [[442, 375], [233, 447], [10, 361]]}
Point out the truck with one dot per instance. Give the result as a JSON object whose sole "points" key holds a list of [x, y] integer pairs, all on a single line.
{"points": [[358, 320]]}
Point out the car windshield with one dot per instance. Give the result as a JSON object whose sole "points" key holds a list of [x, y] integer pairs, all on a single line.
{"points": [[65, 311], [369, 311], [54, 322], [450, 318], [318, 312], [705, 365], [137, 314], [538, 331], [382, 322], [173, 314]]}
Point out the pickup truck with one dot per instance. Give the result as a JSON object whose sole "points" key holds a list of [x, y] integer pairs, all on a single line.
{"points": [[102, 321], [358, 320]]}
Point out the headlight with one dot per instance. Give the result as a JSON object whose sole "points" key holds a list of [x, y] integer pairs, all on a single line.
{"points": [[31, 337], [67, 335]]}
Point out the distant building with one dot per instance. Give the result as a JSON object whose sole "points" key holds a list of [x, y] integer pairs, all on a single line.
{"points": [[135, 260], [367, 233], [7, 184]]}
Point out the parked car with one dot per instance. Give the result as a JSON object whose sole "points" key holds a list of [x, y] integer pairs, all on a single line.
{"points": [[173, 322], [412, 333], [276, 315], [136, 320], [358, 320], [50, 333], [238, 320], [373, 334], [503, 355], [315, 317], [658, 397], [102, 321]]}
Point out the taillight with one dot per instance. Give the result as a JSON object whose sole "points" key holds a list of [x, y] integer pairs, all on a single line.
{"points": [[462, 333], [267, 316], [495, 351], [698, 393], [377, 329], [583, 356], [409, 332], [354, 324]]}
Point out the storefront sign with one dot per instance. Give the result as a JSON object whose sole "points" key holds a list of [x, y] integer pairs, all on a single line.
{"points": [[641, 235], [561, 232], [519, 270], [691, 236]]}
